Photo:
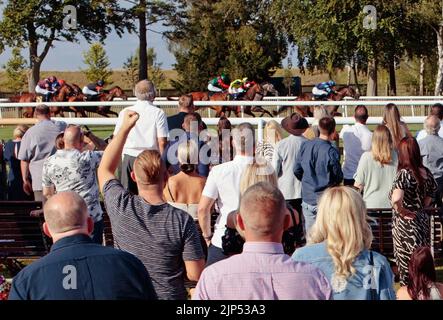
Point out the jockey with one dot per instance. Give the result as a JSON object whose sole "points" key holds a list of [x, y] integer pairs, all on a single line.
{"points": [[47, 87], [239, 86], [92, 90], [219, 84], [324, 89]]}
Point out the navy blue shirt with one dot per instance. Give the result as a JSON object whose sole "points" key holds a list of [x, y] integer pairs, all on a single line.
{"points": [[202, 168], [318, 168], [78, 269], [176, 121]]}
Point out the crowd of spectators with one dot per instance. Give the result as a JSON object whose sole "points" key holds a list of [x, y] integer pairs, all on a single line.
{"points": [[230, 216]]}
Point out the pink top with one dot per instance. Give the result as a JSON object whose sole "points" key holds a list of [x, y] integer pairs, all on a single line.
{"points": [[262, 272]]}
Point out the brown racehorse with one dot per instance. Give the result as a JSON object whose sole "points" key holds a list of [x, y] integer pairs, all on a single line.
{"points": [[28, 112], [255, 93], [108, 95], [308, 111]]}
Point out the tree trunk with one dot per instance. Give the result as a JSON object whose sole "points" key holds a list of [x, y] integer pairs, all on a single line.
{"points": [[439, 81], [34, 76], [348, 81], [354, 67], [372, 78], [392, 81], [143, 55], [422, 76]]}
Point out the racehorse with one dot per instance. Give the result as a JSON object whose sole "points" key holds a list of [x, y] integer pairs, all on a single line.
{"points": [[255, 93], [108, 95], [308, 111]]}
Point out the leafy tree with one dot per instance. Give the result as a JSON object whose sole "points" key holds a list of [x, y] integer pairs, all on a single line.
{"points": [[155, 74], [130, 66], [41, 23], [221, 35], [15, 71], [97, 64]]}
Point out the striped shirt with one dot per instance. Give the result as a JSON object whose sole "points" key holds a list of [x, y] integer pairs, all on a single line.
{"points": [[262, 272], [161, 236]]}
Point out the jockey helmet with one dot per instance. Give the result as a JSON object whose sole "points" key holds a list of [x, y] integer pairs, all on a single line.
{"points": [[61, 83], [331, 83], [100, 83]]}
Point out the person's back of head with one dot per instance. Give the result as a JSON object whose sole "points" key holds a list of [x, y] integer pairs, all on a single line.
{"points": [[20, 131], [187, 155], [437, 110], [342, 222], [391, 119], [432, 125], [421, 274], [145, 90], [257, 172], [73, 138], [244, 139], [186, 103], [273, 132], [409, 158], [42, 111], [190, 122], [66, 214], [326, 126], [149, 170], [361, 114], [263, 213], [223, 124], [382, 146]]}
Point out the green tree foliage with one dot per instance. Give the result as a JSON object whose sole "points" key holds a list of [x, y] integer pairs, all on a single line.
{"points": [[39, 24], [223, 35], [15, 69], [155, 74], [97, 64]]}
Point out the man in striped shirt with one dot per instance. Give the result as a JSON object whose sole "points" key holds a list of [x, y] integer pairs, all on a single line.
{"points": [[164, 238]]}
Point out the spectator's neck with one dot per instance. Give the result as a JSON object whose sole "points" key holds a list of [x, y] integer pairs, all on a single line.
{"points": [[42, 118], [324, 137], [152, 194]]}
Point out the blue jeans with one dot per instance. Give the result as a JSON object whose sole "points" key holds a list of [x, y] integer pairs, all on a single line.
{"points": [[309, 215]]}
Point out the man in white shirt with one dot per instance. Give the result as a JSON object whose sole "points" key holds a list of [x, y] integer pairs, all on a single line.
{"points": [[149, 133], [436, 110], [356, 140], [223, 186]]}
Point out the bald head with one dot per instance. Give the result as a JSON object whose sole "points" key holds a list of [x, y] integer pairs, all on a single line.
{"points": [[73, 137], [66, 212], [432, 125], [145, 90], [263, 210]]}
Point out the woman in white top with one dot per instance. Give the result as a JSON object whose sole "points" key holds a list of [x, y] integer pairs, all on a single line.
{"points": [[184, 190], [377, 169], [423, 283]]}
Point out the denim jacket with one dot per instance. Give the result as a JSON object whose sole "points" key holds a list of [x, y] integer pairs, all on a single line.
{"points": [[358, 284]]}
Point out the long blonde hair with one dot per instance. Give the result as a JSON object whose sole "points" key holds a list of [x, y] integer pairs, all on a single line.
{"points": [[382, 145], [391, 119], [273, 129], [255, 173], [342, 222]]}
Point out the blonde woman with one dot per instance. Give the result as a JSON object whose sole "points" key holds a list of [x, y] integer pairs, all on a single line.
{"points": [[392, 120], [10, 153], [233, 238], [339, 245], [184, 190], [377, 169], [273, 133]]}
